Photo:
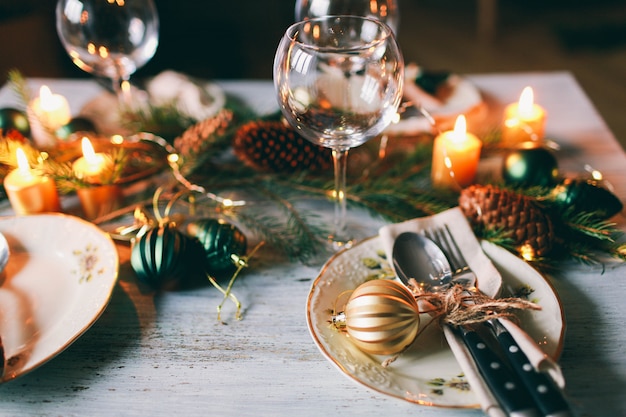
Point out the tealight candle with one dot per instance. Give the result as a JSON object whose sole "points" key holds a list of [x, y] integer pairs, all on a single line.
{"points": [[92, 166], [29, 192], [524, 120], [99, 198], [455, 157], [47, 113]]}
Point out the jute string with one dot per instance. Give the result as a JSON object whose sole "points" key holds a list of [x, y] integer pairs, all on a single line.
{"points": [[459, 307]]}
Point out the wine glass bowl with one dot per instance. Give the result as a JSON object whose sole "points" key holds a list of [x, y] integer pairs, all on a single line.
{"points": [[339, 83], [109, 38], [384, 10]]}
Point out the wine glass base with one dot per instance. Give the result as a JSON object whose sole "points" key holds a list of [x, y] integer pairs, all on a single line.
{"points": [[339, 244]]}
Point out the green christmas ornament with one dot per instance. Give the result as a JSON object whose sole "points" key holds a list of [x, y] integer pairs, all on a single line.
{"points": [[224, 244], [530, 165], [13, 119], [587, 196], [77, 124], [161, 256]]}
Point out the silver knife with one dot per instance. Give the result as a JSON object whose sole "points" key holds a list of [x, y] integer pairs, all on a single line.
{"points": [[504, 384], [546, 395]]}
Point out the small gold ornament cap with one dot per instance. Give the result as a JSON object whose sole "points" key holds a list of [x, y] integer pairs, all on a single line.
{"points": [[339, 320]]}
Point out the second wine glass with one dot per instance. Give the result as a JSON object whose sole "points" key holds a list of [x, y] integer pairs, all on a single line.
{"points": [[384, 10], [339, 83], [109, 38]]}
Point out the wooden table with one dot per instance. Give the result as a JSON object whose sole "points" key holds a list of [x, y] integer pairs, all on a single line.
{"points": [[167, 355]]}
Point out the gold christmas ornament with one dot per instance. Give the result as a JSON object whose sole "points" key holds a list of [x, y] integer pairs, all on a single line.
{"points": [[381, 317]]}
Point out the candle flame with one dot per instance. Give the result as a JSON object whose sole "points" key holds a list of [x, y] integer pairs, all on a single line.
{"points": [[88, 151], [22, 162], [460, 128], [46, 100], [526, 102]]}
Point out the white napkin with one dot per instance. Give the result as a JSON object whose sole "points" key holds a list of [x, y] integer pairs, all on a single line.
{"points": [[489, 279], [193, 98], [489, 282]]}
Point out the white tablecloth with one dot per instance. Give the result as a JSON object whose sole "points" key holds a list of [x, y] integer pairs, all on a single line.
{"points": [[167, 355]]}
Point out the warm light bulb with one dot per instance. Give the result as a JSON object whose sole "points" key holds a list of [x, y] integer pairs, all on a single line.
{"points": [[526, 102], [460, 128]]}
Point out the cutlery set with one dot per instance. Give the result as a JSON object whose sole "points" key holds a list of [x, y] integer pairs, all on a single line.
{"points": [[434, 262]]}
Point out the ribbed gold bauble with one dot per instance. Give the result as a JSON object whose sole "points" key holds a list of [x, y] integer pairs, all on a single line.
{"points": [[382, 317]]}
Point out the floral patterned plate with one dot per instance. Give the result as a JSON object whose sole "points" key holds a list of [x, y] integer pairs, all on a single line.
{"points": [[59, 279], [427, 373]]}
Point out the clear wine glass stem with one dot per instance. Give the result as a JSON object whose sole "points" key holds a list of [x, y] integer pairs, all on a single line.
{"points": [[339, 237], [121, 86]]}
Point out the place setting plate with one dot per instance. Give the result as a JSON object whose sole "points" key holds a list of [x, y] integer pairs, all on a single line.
{"points": [[442, 95], [171, 94], [427, 373], [58, 280]]}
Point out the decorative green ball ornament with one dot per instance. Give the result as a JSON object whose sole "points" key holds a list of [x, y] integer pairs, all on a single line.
{"points": [[224, 244], [583, 195], [77, 124], [13, 119], [161, 257], [381, 317], [530, 165]]}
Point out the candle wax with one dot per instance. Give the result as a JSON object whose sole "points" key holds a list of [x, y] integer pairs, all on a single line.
{"points": [[29, 193], [46, 114], [455, 159], [523, 121], [91, 167]]}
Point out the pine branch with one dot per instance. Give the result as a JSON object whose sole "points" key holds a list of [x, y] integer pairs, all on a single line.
{"points": [[303, 237], [20, 86], [590, 224]]}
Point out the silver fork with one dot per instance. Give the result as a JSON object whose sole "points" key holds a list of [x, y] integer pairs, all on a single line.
{"points": [[461, 272], [547, 395]]}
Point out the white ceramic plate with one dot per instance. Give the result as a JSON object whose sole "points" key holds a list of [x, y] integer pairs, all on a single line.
{"points": [[59, 279], [457, 95], [195, 98], [427, 373]]}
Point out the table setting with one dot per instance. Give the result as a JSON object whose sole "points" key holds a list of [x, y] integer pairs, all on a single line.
{"points": [[358, 235]]}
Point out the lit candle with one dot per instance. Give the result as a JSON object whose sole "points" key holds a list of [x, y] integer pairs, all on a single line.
{"points": [[100, 200], [524, 120], [92, 167], [28, 192], [46, 114], [455, 157], [96, 169]]}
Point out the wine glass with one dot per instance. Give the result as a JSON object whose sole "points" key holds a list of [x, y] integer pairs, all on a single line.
{"points": [[339, 83], [109, 38], [384, 10]]}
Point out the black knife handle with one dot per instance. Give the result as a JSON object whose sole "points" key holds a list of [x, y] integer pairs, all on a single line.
{"points": [[505, 385], [547, 395]]}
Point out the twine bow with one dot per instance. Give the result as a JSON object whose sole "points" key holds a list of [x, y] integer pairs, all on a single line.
{"points": [[460, 307]]}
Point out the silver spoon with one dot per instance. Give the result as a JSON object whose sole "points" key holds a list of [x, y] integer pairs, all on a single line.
{"points": [[420, 260]]}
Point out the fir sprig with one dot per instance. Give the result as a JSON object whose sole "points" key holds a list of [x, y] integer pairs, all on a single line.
{"points": [[20, 86], [589, 224]]}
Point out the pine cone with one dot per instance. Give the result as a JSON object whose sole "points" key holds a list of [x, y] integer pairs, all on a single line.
{"points": [[275, 147], [204, 133], [494, 208]]}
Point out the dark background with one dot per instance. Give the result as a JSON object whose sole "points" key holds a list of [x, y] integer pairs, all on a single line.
{"points": [[237, 39]]}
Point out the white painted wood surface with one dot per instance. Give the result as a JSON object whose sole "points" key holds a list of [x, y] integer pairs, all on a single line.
{"points": [[167, 355]]}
